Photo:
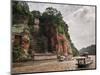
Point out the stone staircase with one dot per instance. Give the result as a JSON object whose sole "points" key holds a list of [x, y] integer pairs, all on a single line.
{"points": [[37, 45]]}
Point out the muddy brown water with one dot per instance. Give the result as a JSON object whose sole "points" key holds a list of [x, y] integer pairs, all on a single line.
{"points": [[49, 65]]}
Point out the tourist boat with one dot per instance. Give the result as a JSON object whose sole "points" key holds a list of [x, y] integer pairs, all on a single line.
{"points": [[83, 61]]}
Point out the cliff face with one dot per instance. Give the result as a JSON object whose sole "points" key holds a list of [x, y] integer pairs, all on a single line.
{"points": [[48, 31]]}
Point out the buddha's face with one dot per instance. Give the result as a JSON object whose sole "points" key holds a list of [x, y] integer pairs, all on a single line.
{"points": [[36, 28], [36, 21]]}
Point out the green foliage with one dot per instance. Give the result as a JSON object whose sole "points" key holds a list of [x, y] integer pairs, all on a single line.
{"points": [[16, 53], [51, 15], [20, 10], [36, 14], [19, 55], [74, 50]]}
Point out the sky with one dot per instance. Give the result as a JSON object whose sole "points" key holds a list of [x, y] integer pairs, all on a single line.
{"points": [[80, 19]]}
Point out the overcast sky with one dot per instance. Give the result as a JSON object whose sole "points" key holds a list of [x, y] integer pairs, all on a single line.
{"points": [[80, 19]]}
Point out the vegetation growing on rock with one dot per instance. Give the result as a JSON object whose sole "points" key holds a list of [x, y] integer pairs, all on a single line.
{"points": [[51, 21]]}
